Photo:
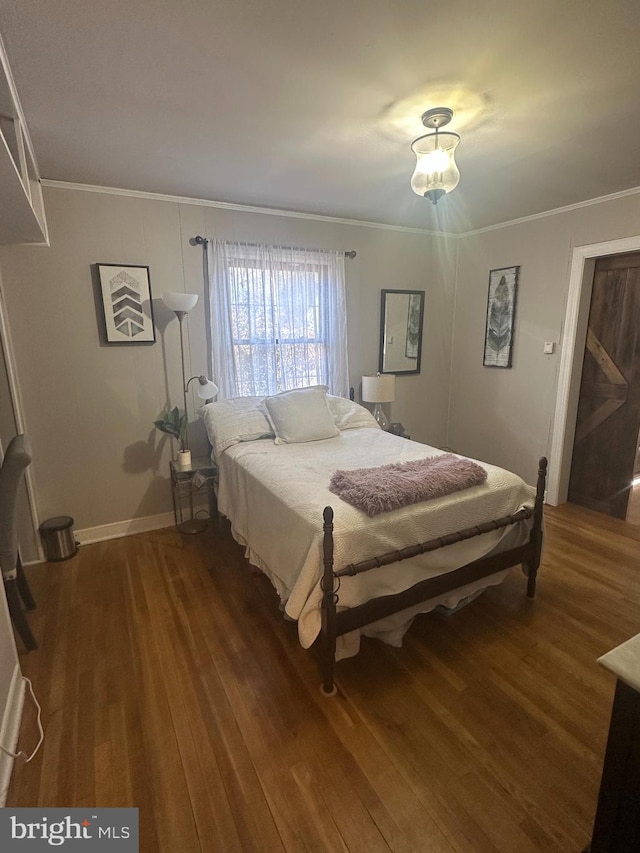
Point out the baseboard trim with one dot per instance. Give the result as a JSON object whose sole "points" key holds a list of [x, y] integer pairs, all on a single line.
{"points": [[118, 529], [10, 730]]}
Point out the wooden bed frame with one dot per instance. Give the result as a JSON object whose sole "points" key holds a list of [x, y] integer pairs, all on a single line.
{"points": [[335, 623]]}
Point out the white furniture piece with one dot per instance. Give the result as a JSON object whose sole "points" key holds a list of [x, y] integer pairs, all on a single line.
{"points": [[22, 218]]}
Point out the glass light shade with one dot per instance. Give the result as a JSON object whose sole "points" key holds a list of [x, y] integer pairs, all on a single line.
{"points": [[183, 302], [436, 172], [206, 389], [379, 389]]}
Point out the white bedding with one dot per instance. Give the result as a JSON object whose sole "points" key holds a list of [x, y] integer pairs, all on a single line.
{"points": [[274, 495]]}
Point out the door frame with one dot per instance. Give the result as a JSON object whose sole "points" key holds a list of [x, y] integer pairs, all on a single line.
{"points": [[574, 335]]}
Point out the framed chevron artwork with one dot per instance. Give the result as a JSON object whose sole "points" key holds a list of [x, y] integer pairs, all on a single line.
{"points": [[126, 303]]}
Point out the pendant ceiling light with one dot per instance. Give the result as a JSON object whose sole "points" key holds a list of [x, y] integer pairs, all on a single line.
{"points": [[436, 172]]}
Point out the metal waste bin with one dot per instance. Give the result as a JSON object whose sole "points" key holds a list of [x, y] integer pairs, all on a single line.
{"points": [[57, 538]]}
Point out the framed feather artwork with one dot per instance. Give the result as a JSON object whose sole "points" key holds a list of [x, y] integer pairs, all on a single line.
{"points": [[501, 314]]}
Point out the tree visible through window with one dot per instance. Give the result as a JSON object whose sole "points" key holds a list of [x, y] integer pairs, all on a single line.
{"points": [[278, 319]]}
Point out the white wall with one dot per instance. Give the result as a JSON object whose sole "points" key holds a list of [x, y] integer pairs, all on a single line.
{"points": [[505, 416], [89, 408]]}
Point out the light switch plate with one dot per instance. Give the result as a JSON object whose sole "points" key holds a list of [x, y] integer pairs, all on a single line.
{"points": [[549, 347]]}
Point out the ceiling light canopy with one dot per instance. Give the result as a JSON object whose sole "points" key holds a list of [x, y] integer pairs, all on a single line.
{"points": [[436, 172]]}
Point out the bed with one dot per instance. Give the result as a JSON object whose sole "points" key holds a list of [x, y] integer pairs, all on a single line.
{"points": [[339, 573]]}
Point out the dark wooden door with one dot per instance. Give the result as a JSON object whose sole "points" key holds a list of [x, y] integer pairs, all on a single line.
{"points": [[606, 438]]}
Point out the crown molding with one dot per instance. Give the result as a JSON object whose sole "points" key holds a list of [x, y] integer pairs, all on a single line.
{"points": [[543, 215], [243, 208], [292, 214]]}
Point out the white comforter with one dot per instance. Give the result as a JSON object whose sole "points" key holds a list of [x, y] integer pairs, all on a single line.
{"points": [[274, 496]]}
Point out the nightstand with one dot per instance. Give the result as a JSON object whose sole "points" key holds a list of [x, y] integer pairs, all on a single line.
{"points": [[397, 429], [187, 482]]}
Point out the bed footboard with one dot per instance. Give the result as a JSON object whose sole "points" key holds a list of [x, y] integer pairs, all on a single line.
{"points": [[335, 624]]}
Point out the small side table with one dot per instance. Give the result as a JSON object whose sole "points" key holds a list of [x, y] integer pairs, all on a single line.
{"points": [[187, 481], [616, 827]]}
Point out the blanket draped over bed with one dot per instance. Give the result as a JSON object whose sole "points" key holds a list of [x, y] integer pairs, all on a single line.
{"points": [[388, 487]]}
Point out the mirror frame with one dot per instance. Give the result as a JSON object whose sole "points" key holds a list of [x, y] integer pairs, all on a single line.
{"points": [[383, 317]]}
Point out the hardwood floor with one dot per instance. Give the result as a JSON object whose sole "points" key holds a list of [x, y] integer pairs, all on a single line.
{"points": [[169, 681]]}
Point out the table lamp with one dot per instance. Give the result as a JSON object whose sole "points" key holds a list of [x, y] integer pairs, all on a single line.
{"points": [[379, 389]]}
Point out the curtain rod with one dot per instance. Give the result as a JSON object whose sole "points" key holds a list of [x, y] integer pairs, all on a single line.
{"points": [[198, 240]]}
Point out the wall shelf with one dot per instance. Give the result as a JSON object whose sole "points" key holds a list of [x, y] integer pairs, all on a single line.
{"points": [[22, 218]]}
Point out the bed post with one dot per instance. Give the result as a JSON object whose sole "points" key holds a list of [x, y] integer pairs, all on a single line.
{"points": [[329, 599], [536, 530]]}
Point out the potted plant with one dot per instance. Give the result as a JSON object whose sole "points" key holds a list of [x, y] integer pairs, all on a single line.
{"points": [[174, 423]]}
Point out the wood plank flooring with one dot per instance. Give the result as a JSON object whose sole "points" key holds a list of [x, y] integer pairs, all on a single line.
{"points": [[169, 681]]}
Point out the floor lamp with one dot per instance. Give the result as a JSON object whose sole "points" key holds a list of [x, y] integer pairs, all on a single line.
{"points": [[181, 304]]}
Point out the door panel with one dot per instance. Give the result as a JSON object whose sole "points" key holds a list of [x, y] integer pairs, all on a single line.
{"points": [[609, 409]]}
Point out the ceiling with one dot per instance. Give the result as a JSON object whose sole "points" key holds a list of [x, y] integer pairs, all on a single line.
{"points": [[312, 106]]}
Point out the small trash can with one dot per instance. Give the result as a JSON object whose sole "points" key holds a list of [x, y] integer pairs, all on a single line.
{"points": [[57, 538]]}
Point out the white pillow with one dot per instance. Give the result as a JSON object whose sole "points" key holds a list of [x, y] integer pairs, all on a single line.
{"points": [[349, 415], [231, 421], [301, 415]]}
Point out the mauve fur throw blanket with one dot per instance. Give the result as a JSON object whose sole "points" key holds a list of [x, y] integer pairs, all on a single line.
{"points": [[388, 487]]}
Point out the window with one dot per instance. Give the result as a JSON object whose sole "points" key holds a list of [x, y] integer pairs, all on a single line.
{"points": [[278, 319]]}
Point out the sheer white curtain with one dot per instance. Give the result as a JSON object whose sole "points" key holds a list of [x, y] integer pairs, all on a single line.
{"points": [[278, 319]]}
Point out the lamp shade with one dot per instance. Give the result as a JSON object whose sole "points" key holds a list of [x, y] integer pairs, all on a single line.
{"points": [[183, 302], [206, 389], [379, 389]]}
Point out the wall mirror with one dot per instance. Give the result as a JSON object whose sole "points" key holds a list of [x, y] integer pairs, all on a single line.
{"points": [[401, 315]]}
